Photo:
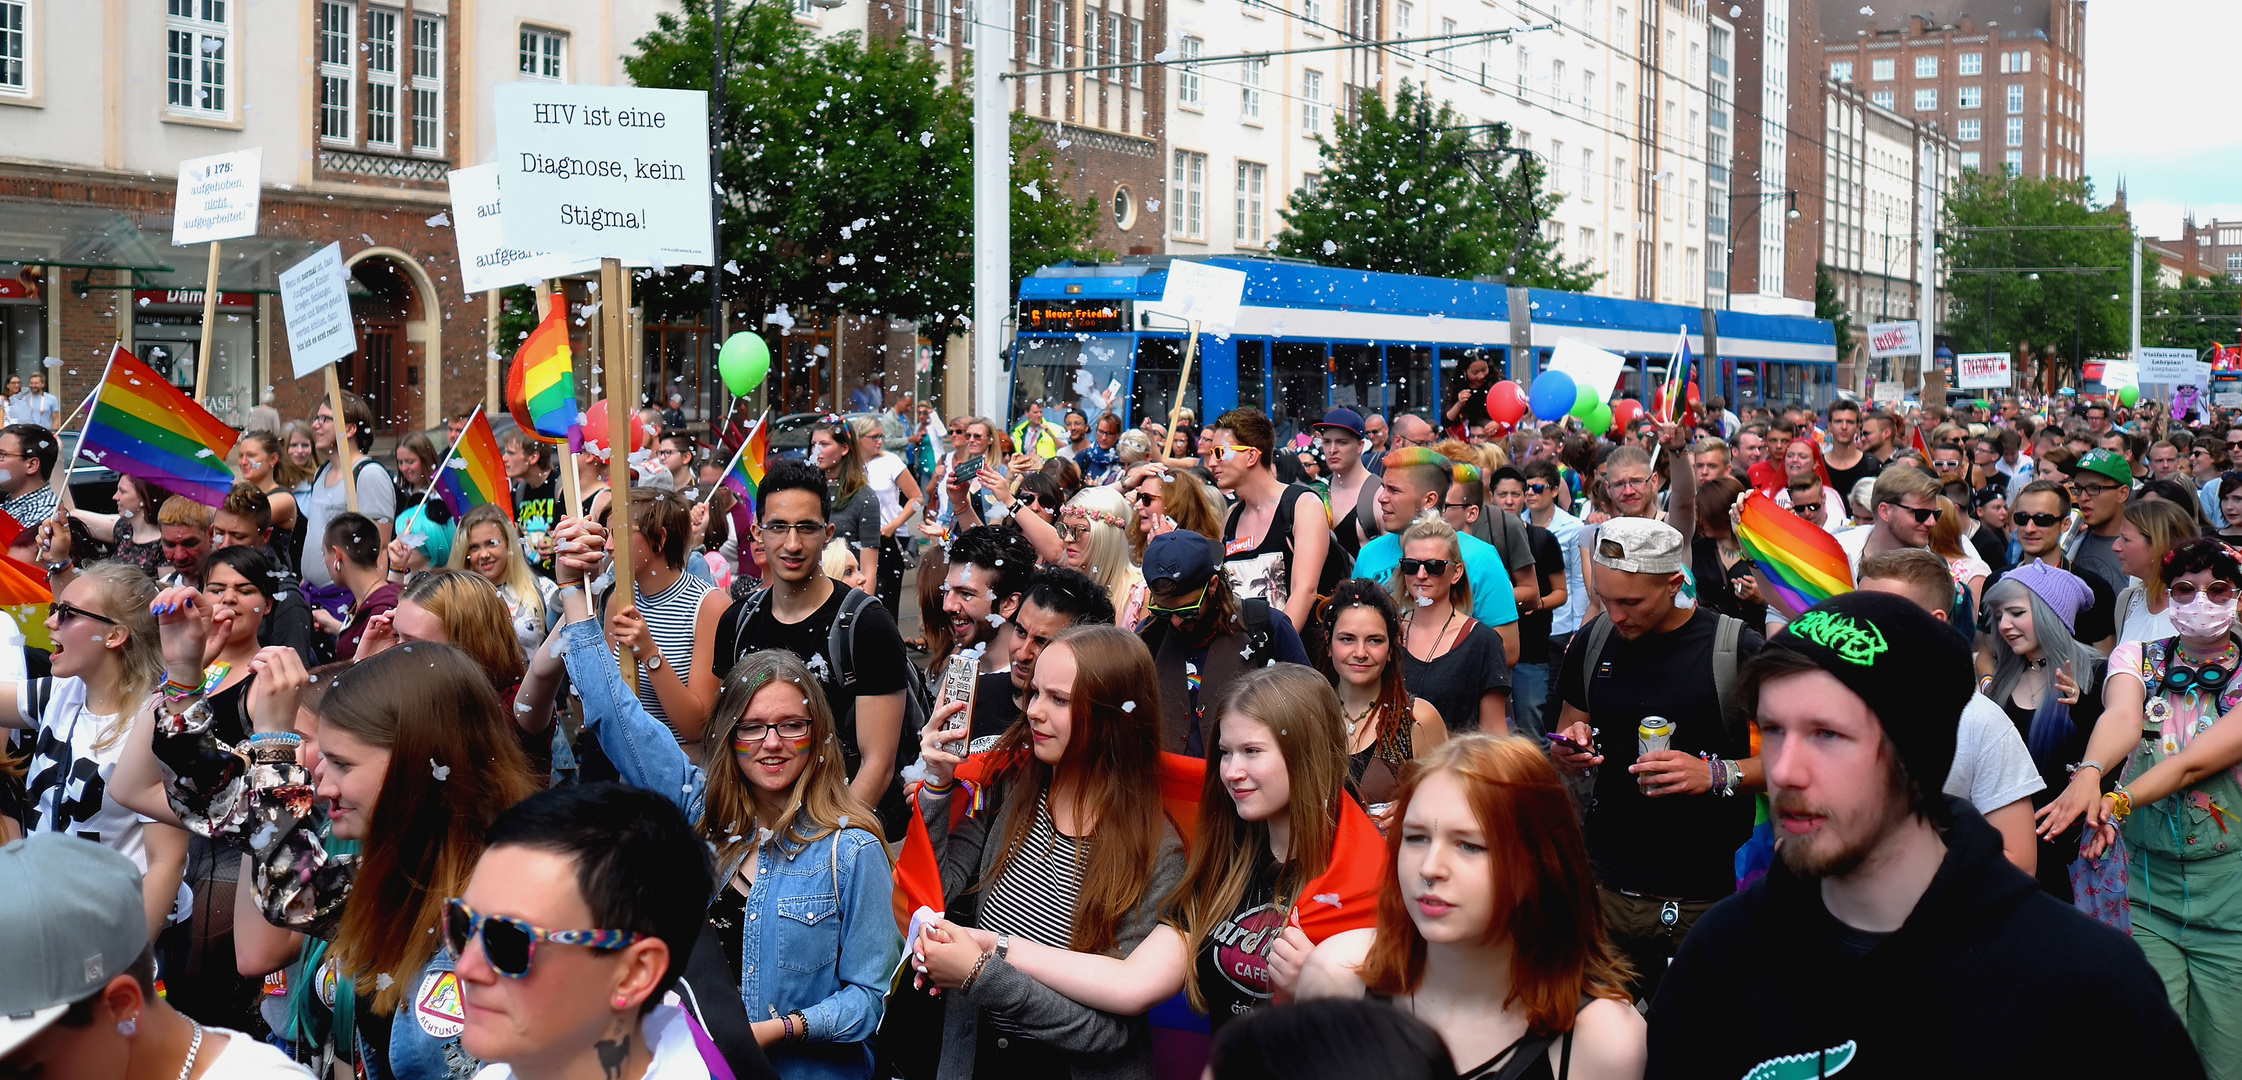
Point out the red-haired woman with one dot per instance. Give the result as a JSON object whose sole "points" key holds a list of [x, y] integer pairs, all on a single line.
{"points": [[1489, 929]]}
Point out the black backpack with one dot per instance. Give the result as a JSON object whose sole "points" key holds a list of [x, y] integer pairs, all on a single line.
{"points": [[840, 644]]}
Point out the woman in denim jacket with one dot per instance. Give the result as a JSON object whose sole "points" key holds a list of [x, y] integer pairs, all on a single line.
{"points": [[803, 908]]}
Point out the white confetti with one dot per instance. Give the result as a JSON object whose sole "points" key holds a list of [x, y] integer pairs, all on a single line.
{"points": [[440, 772], [1032, 190], [1868, 11], [1190, 668], [439, 221], [996, 620], [383, 981], [1330, 247], [1128, 706], [1330, 898]]}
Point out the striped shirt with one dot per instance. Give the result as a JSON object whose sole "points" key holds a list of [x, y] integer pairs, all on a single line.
{"points": [[669, 616], [1034, 899]]}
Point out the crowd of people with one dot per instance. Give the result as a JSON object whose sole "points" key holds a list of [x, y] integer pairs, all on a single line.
{"points": [[1366, 747]]}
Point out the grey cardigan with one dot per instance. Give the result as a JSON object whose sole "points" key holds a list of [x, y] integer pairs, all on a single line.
{"points": [[1100, 1045]]}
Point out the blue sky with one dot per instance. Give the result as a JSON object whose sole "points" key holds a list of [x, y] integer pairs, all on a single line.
{"points": [[2160, 108]]}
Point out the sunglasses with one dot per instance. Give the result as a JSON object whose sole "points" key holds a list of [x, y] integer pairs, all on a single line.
{"points": [[1231, 451], [1143, 499], [1536, 489], [64, 611], [1803, 509], [2045, 521], [2219, 592], [1190, 611], [1924, 515], [1412, 567], [510, 944]]}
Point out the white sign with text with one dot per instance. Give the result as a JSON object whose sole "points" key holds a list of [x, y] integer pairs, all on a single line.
{"points": [[217, 197], [1895, 339], [315, 301], [2119, 374], [616, 172], [1889, 392], [1982, 371], [2169, 367], [486, 261], [1207, 295]]}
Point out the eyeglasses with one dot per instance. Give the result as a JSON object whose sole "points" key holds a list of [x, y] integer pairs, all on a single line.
{"points": [[1447, 506], [777, 530], [1232, 451], [2045, 521], [1803, 509], [1629, 484], [1413, 567], [64, 611], [510, 944], [2219, 592], [2088, 491], [1186, 612], [749, 736]]}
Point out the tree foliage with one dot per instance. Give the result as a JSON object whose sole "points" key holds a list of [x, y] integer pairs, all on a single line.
{"points": [[2080, 314], [1829, 305], [847, 171], [1412, 190], [2196, 315]]}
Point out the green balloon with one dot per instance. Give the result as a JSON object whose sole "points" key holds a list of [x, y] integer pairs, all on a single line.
{"points": [[1598, 421], [2128, 396], [1585, 401], [744, 361]]}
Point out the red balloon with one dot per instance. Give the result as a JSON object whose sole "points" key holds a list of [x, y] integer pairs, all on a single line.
{"points": [[595, 428], [1506, 402], [1624, 413]]}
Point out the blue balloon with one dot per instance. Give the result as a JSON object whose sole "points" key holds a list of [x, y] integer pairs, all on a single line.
{"points": [[1552, 396]]}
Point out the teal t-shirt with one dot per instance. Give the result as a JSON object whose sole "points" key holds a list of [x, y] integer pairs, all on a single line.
{"points": [[1491, 602]]}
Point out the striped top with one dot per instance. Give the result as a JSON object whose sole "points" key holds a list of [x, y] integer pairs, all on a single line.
{"points": [[1035, 897], [669, 616]]}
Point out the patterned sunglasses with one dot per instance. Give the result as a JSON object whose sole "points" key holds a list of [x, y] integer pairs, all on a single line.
{"points": [[510, 944]]}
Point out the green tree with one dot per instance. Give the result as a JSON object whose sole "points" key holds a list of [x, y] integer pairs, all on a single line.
{"points": [[2198, 314], [2041, 287], [1412, 190], [1829, 305], [847, 174]]}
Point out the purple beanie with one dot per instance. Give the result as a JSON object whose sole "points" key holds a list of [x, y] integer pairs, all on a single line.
{"points": [[2063, 592]]}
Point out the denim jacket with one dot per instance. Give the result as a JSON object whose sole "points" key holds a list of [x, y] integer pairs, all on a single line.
{"points": [[820, 936]]}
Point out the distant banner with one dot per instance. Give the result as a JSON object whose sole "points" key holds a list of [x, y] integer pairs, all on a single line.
{"points": [[1983, 371], [1895, 339]]}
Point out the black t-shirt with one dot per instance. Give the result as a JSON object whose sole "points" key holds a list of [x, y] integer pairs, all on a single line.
{"points": [[1455, 681], [993, 710], [537, 509], [1844, 479], [1234, 959], [1674, 846], [1549, 566], [1475, 406], [2098, 621], [881, 668]]}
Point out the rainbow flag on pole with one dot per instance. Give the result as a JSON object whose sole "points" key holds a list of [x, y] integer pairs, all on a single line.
{"points": [[1799, 564], [745, 473], [541, 382], [142, 426], [472, 473]]}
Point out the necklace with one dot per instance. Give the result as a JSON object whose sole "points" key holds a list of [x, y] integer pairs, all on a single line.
{"points": [[194, 1050], [2035, 665], [1443, 632], [1354, 722]]}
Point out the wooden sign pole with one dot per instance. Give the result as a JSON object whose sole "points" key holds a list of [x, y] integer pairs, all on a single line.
{"points": [[209, 323], [1182, 386], [344, 451], [493, 358], [620, 417]]}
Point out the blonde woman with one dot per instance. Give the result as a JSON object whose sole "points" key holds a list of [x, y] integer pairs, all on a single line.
{"points": [[1091, 534], [840, 564], [300, 459], [486, 543], [803, 913], [1449, 658]]}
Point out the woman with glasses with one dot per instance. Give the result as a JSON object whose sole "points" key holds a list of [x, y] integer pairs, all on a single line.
{"points": [[1091, 534], [2049, 684], [1450, 659], [899, 498], [2180, 768], [856, 509], [670, 626], [802, 916], [414, 757], [676, 452], [2147, 531], [1386, 727], [487, 544]]}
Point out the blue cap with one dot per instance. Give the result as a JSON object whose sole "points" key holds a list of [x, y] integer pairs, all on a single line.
{"points": [[1180, 560], [1346, 420]]}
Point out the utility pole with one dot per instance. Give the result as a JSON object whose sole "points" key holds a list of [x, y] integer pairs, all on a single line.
{"points": [[992, 205], [2134, 339]]}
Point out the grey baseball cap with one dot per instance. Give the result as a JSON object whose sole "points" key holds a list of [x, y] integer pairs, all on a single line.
{"points": [[1641, 546], [77, 923]]}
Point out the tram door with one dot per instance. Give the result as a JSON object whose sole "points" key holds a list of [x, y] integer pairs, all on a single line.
{"points": [[1152, 387], [1299, 384]]}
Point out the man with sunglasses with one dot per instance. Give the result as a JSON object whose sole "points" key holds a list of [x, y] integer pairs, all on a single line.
{"points": [[1277, 536], [578, 921], [2101, 483], [1203, 636]]}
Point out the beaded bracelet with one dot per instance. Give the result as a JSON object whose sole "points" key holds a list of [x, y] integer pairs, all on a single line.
{"points": [[928, 787], [801, 1026]]}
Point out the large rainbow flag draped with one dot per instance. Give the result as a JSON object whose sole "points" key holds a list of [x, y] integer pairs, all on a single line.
{"points": [[1800, 564], [541, 382], [20, 582], [143, 426], [472, 473]]}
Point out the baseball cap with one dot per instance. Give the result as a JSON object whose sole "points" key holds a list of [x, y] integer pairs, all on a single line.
{"points": [[1179, 561], [1641, 546], [1346, 420], [77, 923], [2105, 463]]}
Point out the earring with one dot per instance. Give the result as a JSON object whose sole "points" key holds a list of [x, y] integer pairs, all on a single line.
{"points": [[127, 1026], [621, 1003]]}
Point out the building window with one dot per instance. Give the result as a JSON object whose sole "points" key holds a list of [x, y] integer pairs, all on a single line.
{"points": [[2014, 161], [1966, 130], [1525, 67], [1969, 97], [1689, 209], [1187, 196], [2015, 98], [1926, 101], [1882, 70], [1882, 98], [2234, 262], [1136, 52], [1249, 92], [2230, 237], [199, 37], [1310, 183], [1619, 183], [15, 46], [544, 55], [338, 24], [1969, 161], [1253, 181], [1187, 76], [2015, 133], [1666, 271], [1842, 71], [428, 84], [1587, 244], [1556, 80], [1969, 63], [381, 78], [1311, 12], [1926, 67], [1311, 102], [1404, 19], [1588, 178], [1055, 46], [1447, 50], [1556, 168]]}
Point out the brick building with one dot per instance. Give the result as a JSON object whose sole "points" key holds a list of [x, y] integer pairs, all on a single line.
{"points": [[2208, 249], [2010, 88], [1776, 204]]}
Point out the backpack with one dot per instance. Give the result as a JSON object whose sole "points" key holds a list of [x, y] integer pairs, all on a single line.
{"points": [[1338, 562], [840, 644], [1726, 634], [1261, 633]]}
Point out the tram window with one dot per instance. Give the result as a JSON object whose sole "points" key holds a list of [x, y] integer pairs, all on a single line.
{"points": [[1159, 361], [1065, 372], [1409, 376], [1251, 384], [1299, 388], [1358, 379]]}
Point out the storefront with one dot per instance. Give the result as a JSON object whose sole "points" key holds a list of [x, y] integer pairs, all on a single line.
{"points": [[167, 336], [23, 320]]}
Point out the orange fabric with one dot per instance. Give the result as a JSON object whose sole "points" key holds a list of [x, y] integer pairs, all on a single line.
{"points": [[1345, 895], [918, 875]]}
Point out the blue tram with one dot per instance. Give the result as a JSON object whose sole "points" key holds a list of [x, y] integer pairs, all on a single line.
{"points": [[1309, 338]]}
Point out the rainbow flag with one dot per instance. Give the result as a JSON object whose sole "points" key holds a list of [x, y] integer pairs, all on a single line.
{"points": [[745, 473], [541, 383], [1799, 564], [143, 426], [472, 473]]}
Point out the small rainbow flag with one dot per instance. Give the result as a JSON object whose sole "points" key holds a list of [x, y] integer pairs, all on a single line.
{"points": [[1799, 563], [143, 426], [472, 473], [745, 473], [541, 383]]}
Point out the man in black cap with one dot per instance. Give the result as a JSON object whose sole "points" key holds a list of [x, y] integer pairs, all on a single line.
{"points": [[1890, 901], [1056, 598], [1350, 496], [1202, 635]]}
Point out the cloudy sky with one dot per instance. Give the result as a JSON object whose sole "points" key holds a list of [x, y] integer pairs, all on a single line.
{"points": [[2160, 108]]}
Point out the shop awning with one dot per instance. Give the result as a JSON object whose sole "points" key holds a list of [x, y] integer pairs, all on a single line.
{"points": [[250, 264], [79, 237]]}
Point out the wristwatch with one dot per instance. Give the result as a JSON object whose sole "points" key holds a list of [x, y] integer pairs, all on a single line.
{"points": [[654, 662], [1003, 945]]}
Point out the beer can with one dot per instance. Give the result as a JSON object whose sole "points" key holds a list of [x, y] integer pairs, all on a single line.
{"points": [[1653, 733]]}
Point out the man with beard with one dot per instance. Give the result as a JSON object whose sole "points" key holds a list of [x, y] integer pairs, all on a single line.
{"points": [[1057, 598], [989, 568], [1202, 635], [1885, 888]]}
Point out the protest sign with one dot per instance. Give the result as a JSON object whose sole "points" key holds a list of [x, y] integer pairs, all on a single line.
{"points": [[486, 261], [616, 172], [1983, 371]]}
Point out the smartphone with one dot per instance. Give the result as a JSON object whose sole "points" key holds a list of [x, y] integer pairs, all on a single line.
{"points": [[965, 471], [959, 677]]}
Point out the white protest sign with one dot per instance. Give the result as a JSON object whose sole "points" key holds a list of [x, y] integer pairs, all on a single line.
{"points": [[2119, 374], [616, 172], [2170, 367], [217, 197], [485, 260], [1982, 371], [1889, 392], [1587, 365], [315, 299], [1207, 295], [1895, 339]]}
